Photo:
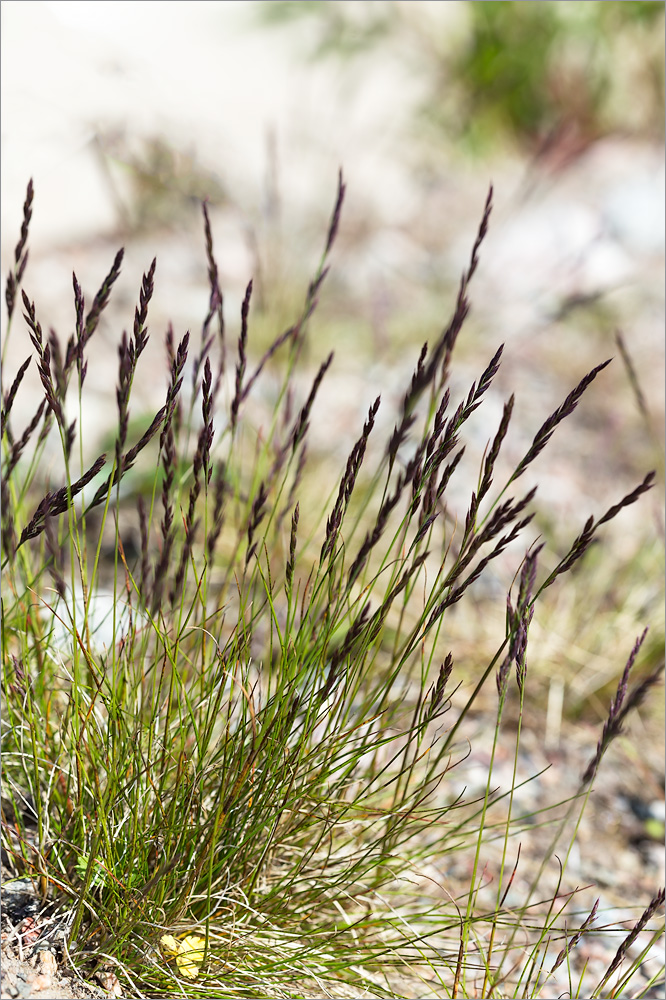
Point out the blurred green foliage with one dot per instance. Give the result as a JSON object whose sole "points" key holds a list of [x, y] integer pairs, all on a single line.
{"points": [[529, 72]]}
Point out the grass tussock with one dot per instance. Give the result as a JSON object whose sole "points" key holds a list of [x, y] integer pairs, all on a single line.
{"points": [[228, 721]]}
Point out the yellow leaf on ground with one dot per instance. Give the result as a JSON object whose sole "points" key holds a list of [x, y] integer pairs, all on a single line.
{"points": [[169, 945], [189, 953]]}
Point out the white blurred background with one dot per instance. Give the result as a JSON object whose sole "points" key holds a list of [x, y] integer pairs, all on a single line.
{"points": [[205, 77]]}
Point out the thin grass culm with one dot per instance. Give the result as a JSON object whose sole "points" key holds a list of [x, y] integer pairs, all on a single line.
{"points": [[243, 786]]}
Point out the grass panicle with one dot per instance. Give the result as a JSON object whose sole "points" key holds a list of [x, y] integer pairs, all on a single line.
{"points": [[15, 276], [547, 429], [9, 397], [101, 301], [58, 502], [655, 904], [347, 484], [242, 356], [621, 706]]}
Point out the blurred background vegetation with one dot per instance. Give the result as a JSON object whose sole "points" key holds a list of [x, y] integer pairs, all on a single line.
{"points": [[533, 80], [532, 74]]}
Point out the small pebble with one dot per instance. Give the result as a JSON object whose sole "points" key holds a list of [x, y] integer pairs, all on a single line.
{"points": [[110, 983], [47, 963], [39, 983]]}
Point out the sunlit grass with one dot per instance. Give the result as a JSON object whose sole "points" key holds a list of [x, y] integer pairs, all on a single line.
{"points": [[238, 688]]}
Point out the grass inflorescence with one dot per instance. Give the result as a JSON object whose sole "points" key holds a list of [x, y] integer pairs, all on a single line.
{"points": [[242, 790]]}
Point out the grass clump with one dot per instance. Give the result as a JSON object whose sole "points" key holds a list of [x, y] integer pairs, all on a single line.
{"points": [[228, 744]]}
